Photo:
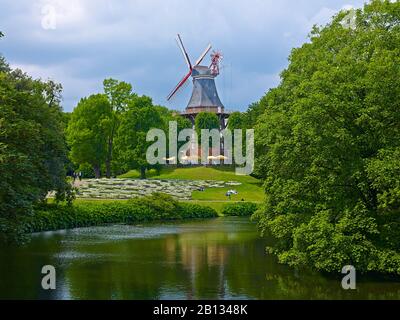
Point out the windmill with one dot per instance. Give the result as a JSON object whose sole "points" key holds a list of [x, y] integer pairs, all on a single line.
{"points": [[204, 94]]}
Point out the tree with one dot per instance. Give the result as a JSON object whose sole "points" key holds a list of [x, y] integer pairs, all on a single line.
{"points": [[168, 115], [237, 121], [32, 147], [206, 120], [130, 143], [119, 94], [328, 147], [182, 123], [88, 131], [253, 113]]}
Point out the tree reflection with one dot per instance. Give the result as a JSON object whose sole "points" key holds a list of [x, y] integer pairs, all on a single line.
{"points": [[217, 259]]}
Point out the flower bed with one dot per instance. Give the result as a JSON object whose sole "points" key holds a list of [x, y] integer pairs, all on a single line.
{"points": [[129, 188]]}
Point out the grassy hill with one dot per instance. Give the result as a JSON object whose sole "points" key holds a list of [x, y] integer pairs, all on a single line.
{"points": [[192, 173], [249, 190]]}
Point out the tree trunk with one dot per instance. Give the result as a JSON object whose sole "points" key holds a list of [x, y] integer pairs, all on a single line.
{"points": [[97, 173], [110, 146], [142, 172], [109, 157]]}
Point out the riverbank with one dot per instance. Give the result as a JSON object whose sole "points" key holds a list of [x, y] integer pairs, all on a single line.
{"points": [[205, 186], [157, 207], [171, 194]]}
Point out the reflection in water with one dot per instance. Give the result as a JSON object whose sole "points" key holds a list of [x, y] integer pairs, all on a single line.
{"points": [[215, 259]]}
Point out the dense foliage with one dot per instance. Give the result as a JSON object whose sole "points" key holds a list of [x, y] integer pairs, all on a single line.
{"points": [[119, 94], [206, 120], [107, 132], [131, 145], [32, 146], [248, 119], [151, 208], [328, 147], [94, 123], [88, 131], [240, 209]]}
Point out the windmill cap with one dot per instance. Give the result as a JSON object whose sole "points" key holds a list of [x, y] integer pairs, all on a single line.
{"points": [[199, 71]]}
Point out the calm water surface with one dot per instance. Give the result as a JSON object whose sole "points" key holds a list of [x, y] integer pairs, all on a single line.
{"points": [[215, 259]]}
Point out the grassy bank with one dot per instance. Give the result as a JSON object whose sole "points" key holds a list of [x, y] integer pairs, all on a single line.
{"points": [[157, 207], [219, 206], [240, 209], [216, 205], [184, 184], [211, 202], [250, 189]]}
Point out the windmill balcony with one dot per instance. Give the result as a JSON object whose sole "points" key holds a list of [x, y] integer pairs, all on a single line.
{"points": [[197, 110]]}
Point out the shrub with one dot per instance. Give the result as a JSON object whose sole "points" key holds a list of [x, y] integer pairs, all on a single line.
{"points": [[240, 209], [195, 211], [151, 208], [11, 232], [162, 205]]}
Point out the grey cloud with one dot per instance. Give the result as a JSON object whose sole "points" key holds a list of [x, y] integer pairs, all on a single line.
{"points": [[134, 41]]}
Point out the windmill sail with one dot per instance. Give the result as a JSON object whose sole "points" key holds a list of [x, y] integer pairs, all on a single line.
{"points": [[189, 64]]}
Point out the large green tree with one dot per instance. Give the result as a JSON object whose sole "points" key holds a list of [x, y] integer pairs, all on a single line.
{"points": [[94, 125], [130, 143], [206, 120], [32, 146], [167, 116], [88, 132], [119, 93], [328, 147], [253, 113], [237, 120]]}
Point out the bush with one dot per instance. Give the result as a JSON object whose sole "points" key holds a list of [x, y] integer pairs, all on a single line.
{"points": [[87, 171], [195, 211], [240, 209], [152, 208], [11, 232]]}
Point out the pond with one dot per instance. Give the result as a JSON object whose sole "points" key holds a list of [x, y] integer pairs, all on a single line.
{"points": [[214, 259]]}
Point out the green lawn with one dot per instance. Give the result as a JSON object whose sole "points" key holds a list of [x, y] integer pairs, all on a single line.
{"points": [[193, 173], [250, 190]]}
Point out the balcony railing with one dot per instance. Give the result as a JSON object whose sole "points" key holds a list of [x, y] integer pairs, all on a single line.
{"points": [[206, 109]]}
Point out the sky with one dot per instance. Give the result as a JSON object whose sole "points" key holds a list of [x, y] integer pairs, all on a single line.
{"points": [[80, 43]]}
